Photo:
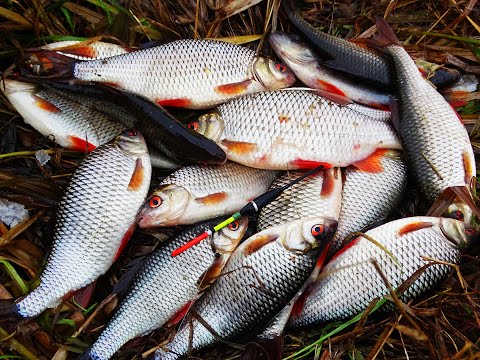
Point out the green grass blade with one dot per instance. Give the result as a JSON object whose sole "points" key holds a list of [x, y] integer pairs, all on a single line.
{"points": [[15, 277]]}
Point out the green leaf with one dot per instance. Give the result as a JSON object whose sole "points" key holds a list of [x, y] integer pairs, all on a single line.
{"points": [[67, 322], [15, 277], [66, 13]]}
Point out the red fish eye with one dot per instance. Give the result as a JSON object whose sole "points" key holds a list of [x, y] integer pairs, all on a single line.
{"points": [[155, 201], [233, 226], [459, 215], [280, 67], [469, 232], [317, 230], [131, 132], [193, 125]]}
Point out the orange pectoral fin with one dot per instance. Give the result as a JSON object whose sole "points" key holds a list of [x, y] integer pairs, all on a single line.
{"points": [[213, 199], [238, 88], [239, 147], [309, 164], [212, 273], [78, 144], [414, 227], [85, 51], [257, 242], [329, 181], [137, 177], [125, 240], [45, 105], [324, 85], [373, 163], [181, 103], [339, 99], [179, 315]]}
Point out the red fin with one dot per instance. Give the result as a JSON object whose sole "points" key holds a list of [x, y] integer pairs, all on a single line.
{"points": [[328, 183], [239, 147], [457, 103], [464, 193], [137, 177], [414, 227], [309, 164], [183, 103], [338, 99], [125, 239], [257, 242], [111, 84], [373, 163], [353, 242], [83, 296], [212, 273], [442, 203], [85, 51], [385, 36], [179, 315], [324, 85], [234, 88], [45, 105], [213, 199], [80, 144], [468, 167], [384, 107]]}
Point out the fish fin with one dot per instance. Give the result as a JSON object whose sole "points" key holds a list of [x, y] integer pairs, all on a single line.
{"points": [[464, 194], [385, 36], [83, 296], [8, 310], [457, 103], [84, 50], [47, 64], [239, 147], [384, 107], [182, 103], [328, 183], [442, 203], [414, 227], [309, 164], [212, 273], [373, 163], [124, 282], [299, 303], [180, 314], [256, 242], [80, 145], [338, 99], [237, 88], [213, 199], [45, 105], [271, 348], [393, 105], [347, 246], [126, 238], [138, 176], [86, 355], [326, 86]]}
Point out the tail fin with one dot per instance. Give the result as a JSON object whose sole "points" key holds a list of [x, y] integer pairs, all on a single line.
{"points": [[272, 348], [385, 36], [8, 310], [86, 354], [46, 64]]}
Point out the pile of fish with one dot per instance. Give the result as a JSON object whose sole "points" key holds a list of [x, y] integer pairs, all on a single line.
{"points": [[366, 118]]}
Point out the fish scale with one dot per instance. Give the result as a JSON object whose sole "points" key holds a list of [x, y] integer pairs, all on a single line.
{"points": [[349, 281], [93, 216], [287, 126], [368, 198], [173, 280]]}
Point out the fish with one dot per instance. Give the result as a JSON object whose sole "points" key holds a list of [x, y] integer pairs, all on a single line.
{"points": [[166, 287], [436, 142], [94, 221], [317, 195], [194, 74], [438, 75], [69, 121], [349, 281], [90, 49], [368, 198], [462, 91], [195, 193], [260, 277], [335, 85], [341, 54], [296, 129]]}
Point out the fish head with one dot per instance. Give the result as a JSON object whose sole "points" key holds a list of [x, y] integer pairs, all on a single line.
{"points": [[292, 52], [230, 236], [302, 236], [131, 142], [272, 75], [460, 211], [10, 87], [164, 207], [458, 233], [209, 125]]}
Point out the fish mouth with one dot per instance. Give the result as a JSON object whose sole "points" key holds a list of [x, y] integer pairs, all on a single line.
{"points": [[289, 50]]}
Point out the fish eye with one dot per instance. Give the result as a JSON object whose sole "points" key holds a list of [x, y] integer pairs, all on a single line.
{"points": [[280, 67], [469, 232], [132, 132], [233, 226], [459, 215], [193, 125], [155, 201], [317, 230]]}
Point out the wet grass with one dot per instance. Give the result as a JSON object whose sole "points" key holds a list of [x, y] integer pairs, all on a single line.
{"points": [[442, 324]]}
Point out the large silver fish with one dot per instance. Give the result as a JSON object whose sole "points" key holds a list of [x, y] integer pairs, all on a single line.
{"points": [[165, 287], [368, 198], [308, 68], [317, 195], [350, 281], [435, 140], [189, 73], [95, 219], [259, 279], [295, 129], [196, 193]]}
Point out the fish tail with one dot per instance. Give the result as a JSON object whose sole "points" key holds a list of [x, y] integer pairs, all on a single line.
{"points": [[271, 349], [8, 310], [47, 64], [86, 355], [385, 36]]}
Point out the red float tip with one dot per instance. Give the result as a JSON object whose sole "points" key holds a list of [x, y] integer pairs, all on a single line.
{"points": [[191, 243]]}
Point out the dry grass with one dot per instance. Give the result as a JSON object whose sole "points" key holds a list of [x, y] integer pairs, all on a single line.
{"points": [[444, 324]]}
